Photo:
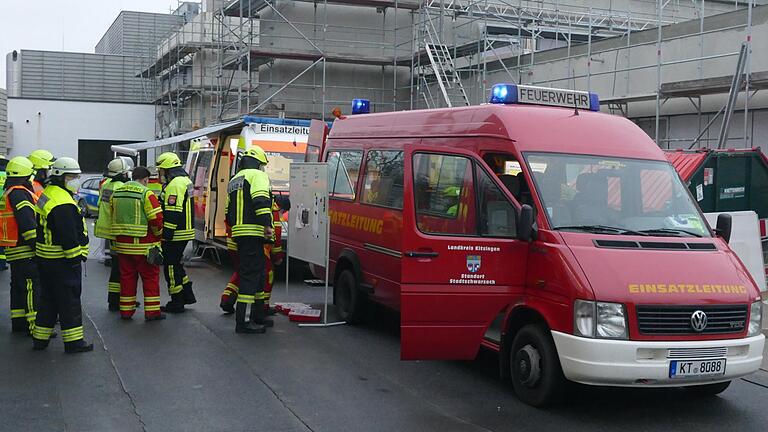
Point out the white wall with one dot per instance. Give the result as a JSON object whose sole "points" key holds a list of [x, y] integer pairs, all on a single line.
{"points": [[58, 125]]}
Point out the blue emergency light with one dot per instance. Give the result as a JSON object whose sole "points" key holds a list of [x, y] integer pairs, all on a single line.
{"points": [[533, 95], [361, 106]]}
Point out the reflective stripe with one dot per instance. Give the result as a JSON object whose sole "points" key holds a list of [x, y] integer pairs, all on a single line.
{"points": [[18, 313], [128, 299], [185, 280], [42, 333], [244, 230], [152, 299], [31, 315], [30, 234], [113, 287], [19, 252], [134, 248], [172, 287], [245, 298], [151, 308], [72, 335]]}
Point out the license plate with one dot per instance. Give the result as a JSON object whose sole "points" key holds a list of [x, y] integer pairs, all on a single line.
{"points": [[696, 368]]}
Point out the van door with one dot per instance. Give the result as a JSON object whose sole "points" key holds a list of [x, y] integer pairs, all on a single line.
{"points": [[462, 265]]}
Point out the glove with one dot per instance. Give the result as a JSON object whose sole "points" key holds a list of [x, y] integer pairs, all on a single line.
{"points": [[155, 256]]}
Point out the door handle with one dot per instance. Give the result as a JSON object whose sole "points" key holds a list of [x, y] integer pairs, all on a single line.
{"points": [[413, 254]]}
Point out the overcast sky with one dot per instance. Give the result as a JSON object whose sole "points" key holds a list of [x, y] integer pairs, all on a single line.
{"points": [[62, 25]]}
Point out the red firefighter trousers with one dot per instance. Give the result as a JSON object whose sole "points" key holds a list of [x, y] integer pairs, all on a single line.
{"points": [[131, 267]]}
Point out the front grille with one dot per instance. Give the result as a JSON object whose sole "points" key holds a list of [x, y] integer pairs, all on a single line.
{"points": [[697, 353], [676, 320]]}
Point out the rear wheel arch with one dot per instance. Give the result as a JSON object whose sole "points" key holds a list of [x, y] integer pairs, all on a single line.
{"points": [[347, 260]]}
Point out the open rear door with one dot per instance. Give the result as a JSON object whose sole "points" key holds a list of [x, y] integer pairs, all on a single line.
{"points": [[461, 265]]}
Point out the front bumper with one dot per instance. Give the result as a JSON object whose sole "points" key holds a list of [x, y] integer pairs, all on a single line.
{"points": [[646, 364]]}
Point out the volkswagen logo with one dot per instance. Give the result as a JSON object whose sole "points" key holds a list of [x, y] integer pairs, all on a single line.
{"points": [[698, 321]]}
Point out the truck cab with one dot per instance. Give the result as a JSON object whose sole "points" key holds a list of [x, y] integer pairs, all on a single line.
{"points": [[537, 227]]}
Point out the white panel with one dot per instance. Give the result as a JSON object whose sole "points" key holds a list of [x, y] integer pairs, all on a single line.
{"points": [[308, 223]]}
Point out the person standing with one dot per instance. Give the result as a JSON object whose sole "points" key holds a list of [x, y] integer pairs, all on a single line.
{"points": [[249, 213], [137, 224], [3, 164], [61, 247], [273, 250], [18, 229], [42, 161], [178, 229], [117, 174]]}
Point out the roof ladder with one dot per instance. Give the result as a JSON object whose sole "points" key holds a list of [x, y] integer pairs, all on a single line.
{"points": [[444, 69]]}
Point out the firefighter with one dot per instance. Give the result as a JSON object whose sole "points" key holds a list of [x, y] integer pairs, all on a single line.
{"points": [[19, 225], [41, 160], [273, 253], [61, 247], [154, 183], [117, 174], [249, 213], [3, 164], [137, 224], [177, 203]]}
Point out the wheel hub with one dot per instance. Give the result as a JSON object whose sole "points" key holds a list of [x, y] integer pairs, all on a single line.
{"points": [[528, 365]]}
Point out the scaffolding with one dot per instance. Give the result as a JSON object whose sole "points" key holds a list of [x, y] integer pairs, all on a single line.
{"points": [[301, 58]]}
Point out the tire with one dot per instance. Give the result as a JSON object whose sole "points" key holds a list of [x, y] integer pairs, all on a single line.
{"points": [[708, 390], [537, 377], [83, 207], [350, 301]]}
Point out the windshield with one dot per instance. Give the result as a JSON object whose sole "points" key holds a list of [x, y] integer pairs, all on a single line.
{"points": [[614, 195], [279, 168]]}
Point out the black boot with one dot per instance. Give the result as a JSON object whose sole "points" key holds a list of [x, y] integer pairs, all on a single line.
{"points": [[242, 326], [19, 325], [189, 296], [228, 304], [77, 347], [113, 300], [39, 344], [176, 305], [258, 314]]}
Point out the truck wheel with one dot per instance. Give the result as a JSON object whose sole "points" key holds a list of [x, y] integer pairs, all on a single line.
{"points": [[350, 301], [708, 389], [535, 367]]}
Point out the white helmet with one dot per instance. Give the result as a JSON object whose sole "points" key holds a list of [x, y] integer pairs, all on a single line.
{"points": [[65, 165], [120, 165]]}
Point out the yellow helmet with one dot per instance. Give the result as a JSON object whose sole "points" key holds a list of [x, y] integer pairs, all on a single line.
{"points": [[168, 160], [257, 153], [20, 167], [41, 159]]}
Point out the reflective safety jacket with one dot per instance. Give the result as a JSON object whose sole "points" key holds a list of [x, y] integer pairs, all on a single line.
{"points": [[177, 210], [155, 186], [18, 222], [103, 225], [62, 232], [137, 219], [38, 188], [249, 203]]}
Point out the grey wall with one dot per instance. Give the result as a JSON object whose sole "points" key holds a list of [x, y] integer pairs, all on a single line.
{"points": [[137, 33], [78, 76]]}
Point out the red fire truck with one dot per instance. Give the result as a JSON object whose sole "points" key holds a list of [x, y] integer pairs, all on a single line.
{"points": [[533, 226]]}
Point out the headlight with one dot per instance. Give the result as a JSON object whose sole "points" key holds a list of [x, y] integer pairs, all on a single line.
{"points": [[755, 318], [611, 321], [600, 319], [584, 318]]}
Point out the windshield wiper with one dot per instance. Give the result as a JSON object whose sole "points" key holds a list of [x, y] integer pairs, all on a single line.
{"points": [[601, 229], [670, 231]]}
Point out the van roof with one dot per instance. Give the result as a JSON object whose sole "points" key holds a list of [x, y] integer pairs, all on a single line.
{"points": [[533, 128]]}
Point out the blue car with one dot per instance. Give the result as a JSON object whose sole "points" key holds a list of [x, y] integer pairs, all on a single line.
{"points": [[88, 196]]}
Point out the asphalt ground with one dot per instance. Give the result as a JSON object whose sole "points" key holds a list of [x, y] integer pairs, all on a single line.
{"points": [[191, 372]]}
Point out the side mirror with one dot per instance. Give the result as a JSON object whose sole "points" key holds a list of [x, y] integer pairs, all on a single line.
{"points": [[723, 229], [525, 224]]}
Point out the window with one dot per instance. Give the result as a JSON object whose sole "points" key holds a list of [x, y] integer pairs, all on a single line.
{"points": [[383, 185], [444, 194], [497, 215], [343, 170]]}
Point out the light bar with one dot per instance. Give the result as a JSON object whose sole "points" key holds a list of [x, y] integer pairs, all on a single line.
{"points": [[361, 106], [533, 95]]}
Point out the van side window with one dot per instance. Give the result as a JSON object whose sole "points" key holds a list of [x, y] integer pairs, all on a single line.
{"points": [[444, 194], [497, 216], [383, 183], [343, 171]]}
